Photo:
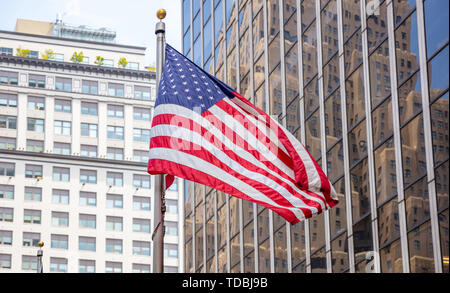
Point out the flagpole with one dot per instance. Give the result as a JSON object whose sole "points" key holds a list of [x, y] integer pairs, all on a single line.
{"points": [[40, 268], [159, 208]]}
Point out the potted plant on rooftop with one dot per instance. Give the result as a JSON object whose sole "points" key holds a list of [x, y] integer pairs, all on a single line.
{"points": [[99, 61], [49, 54], [22, 52], [123, 62], [77, 57]]}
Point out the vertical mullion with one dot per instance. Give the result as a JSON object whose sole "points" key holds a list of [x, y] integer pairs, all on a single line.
{"points": [[397, 138], [302, 117], [427, 133], [347, 182], [370, 158], [284, 111], [323, 145]]}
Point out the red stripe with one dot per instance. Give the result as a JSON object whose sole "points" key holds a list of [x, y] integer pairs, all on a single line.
{"points": [[204, 154], [158, 166], [193, 126]]}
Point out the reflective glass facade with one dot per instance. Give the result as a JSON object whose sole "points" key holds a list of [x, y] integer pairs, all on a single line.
{"points": [[364, 86]]}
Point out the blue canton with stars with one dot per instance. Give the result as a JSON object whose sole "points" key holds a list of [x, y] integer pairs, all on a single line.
{"points": [[184, 83]]}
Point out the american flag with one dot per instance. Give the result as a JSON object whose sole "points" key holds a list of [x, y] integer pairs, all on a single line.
{"points": [[205, 132]]}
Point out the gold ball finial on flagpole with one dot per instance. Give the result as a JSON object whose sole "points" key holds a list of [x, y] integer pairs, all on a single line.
{"points": [[41, 244], [161, 14]]}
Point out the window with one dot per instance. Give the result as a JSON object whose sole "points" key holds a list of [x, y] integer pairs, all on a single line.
{"points": [[88, 176], [174, 186], [141, 135], [61, 148], [86, 243], [6, 214], [7, 169], [114, 245], [132, 66], [58, 57], [114, 223], [113, 267], [87, 221], [88, 151], [64, 106], [114, 201], [60, 241], [33, 171], [172, 206], [63, 127], [89, 87], [115, 89], [141, 92], [115, 111], [141, 114], [60, 196], [5, 237], [33, 193], [35, 80], [6, 191], [58, 265], [33, 54], [141, 248], [5, 261], [141, 225], [141, 203], [63, 84], [9, 122], [89, 108], [6, 51], [88, 198], [86, 266], [140, 156], [170, 250], [29, 262], [32, 216], [115, 132], [171, 228], [108, 63], [141, 268], [60, 219], [35, 124], [88, 129], [8, 100], [61, 174], [114, 153], [141, 181], [31, 239], [9, 77], [114, 179], [36, 103], [35, 146]]}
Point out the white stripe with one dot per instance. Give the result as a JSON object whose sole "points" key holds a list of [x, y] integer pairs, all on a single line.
{"points": [[188, 135], [210, 169], [265, 153]]}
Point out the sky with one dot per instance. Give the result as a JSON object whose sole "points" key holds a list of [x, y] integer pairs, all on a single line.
{"points": [[133, 20]]}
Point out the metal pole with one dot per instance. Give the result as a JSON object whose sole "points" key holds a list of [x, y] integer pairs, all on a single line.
{"points": [[159, 208], [39, 268]]}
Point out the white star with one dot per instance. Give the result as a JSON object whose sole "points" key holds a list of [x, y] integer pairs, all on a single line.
{"points": [[203, 105], [184, 83], [193, 75], [203, 76], [186, 90], [164, 92], [191, 69], [174, 86], [205, 83], [200, 97], [175, 93], [189, 98], [197, 89], [211, 98], [208, 90], [178, 64], [171, 81], [182, 76], [180, 70], [196, 82]]}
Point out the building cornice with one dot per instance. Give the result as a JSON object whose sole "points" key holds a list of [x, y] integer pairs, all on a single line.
{"points": [[74, 158], [69, 66]]}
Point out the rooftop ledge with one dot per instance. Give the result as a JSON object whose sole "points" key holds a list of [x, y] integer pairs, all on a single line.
{"points": [[52, 64]]}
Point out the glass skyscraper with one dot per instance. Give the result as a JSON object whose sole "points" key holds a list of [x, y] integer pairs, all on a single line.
{"points": [[364, 86]]}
